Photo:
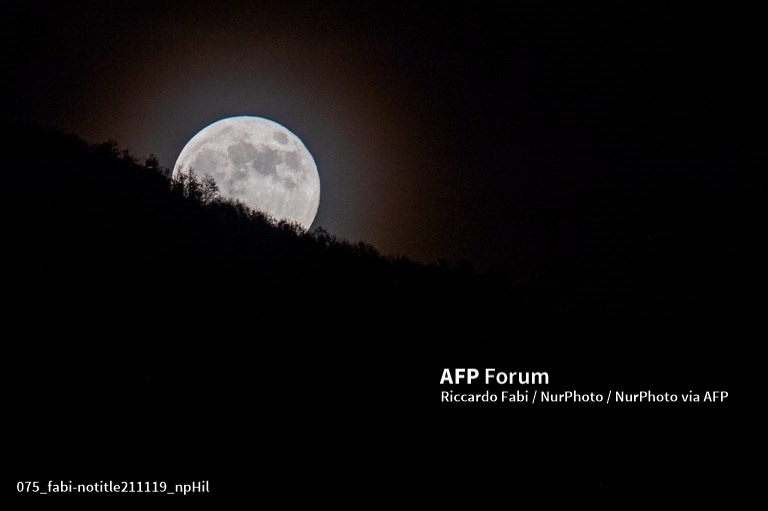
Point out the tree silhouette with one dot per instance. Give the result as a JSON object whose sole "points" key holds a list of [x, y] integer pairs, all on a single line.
{"points": [[209, 190]]}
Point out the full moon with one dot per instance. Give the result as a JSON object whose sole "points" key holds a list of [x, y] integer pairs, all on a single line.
{"points": [[258, 162]]}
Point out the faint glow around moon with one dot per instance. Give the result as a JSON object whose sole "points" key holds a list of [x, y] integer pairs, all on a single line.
{"points": [[259, 162]]}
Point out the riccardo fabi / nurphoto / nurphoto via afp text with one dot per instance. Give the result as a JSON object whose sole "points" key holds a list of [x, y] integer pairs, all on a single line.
{"points": [[537, 391]]}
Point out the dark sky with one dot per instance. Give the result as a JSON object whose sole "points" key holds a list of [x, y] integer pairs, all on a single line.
{"points": [[523, 135]]}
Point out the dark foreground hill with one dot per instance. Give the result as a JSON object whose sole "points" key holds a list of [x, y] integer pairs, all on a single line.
{"points": [[157, 332], [94, 223]]}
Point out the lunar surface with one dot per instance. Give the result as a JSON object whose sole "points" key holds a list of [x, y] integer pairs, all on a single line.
{"points": [[259, 162]]}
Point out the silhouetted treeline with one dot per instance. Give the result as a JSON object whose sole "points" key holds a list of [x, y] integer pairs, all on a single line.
{"points": [[157, 327], [96, 225], [168, 305]]}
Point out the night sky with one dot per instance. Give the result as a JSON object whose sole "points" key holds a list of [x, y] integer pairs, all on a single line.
{"points": [[539, 139], [600, 164]]}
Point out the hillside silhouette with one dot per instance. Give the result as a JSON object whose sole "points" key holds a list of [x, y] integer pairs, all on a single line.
{"points": [[155, 316], [96, 220], [146, 300]]}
